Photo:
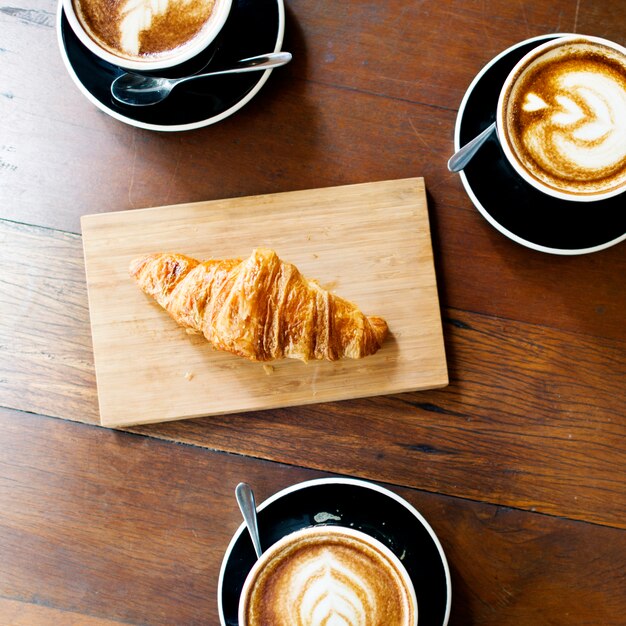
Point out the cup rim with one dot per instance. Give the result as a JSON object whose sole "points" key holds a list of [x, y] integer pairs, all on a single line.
{"points": [[328, 529], [221, 11], [510, 155]]}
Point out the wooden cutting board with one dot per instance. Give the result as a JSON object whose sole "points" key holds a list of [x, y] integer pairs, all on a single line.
{"points": [[369, 243]]}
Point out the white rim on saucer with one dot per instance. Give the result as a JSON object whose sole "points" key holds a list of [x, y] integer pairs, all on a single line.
{"points": [[470, 191], [343, 481], [177, 127]]}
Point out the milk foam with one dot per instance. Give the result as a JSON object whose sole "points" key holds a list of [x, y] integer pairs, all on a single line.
{"points": [[137, 16], [325, 591], [569, 116], [335, 581], [144, 29], [584, 129]]}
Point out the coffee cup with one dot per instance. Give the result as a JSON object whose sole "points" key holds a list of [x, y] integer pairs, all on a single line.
{"points": [[147, 35], [561, 118], [326, 575]]}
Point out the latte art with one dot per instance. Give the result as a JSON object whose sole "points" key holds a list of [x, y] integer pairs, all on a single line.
{"points": [[580, 130], [138, 29], [324, 590], [331, 579], [566, 118]]}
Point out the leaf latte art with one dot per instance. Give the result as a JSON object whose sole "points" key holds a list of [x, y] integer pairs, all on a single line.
{"points": [[566, 118], [323, 580], [324, 590]]}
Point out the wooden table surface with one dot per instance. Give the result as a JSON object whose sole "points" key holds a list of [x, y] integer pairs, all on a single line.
{"points": [[519, 464]]}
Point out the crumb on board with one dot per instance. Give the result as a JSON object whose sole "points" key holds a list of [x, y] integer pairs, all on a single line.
{"points": [[192, 331], [189, 375], [268, 369]]}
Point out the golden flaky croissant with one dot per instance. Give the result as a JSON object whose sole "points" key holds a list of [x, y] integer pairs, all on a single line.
{"points": [[260, 308]]}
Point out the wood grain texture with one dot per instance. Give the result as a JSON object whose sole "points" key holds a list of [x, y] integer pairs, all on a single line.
{"points": [[532, 418], [394, 118], [46, 358], [103, 527], [522, 424], [16, 613], [126, 528], [369, 243]]}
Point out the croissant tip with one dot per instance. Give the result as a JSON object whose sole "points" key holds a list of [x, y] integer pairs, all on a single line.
{"points": [[136, 265], [380, 328]]}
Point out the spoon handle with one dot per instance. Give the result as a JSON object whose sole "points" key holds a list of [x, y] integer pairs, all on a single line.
{"points": [[463, 156], [252, 64], [245, 500]]}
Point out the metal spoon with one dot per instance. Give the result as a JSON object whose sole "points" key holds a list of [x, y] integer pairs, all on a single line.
{"points": [[463, 156], [245, 500], [138, 90]]}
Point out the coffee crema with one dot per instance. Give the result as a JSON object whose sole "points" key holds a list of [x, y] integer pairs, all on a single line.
{"points": [[565, 118], [333, 579], [143, 29]]}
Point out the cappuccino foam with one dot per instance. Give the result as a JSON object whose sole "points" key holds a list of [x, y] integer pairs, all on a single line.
{"points": [[331, 579], [566, 118], [143, 29]]}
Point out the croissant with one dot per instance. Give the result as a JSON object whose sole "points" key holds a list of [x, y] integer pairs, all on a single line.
{"points": [[260, 308]]}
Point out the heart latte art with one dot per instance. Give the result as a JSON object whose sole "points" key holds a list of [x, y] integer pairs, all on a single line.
{"points": [[331, 580], [566, 118]]}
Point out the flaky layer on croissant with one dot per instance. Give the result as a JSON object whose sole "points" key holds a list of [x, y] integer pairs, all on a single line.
{"points": [[260, 308]]}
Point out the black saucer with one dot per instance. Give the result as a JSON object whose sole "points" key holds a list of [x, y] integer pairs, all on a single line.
{"points": [[253, 27], [348, 502], [509, 203]]}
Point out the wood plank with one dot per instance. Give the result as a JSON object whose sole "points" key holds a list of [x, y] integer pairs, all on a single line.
{"points": [[46, 357], [16, 613], [369, 243], [294, 135], [128, 528], [521, 422], [480, 270]]}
